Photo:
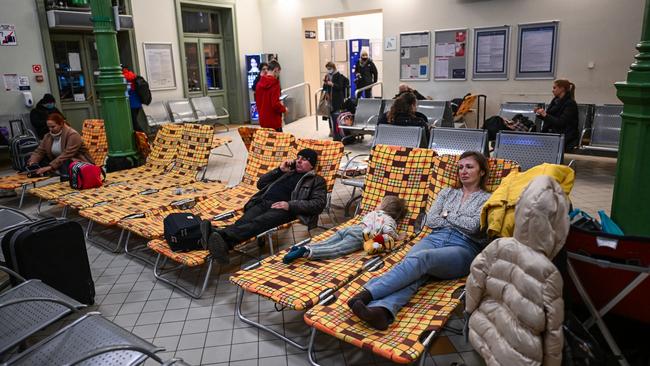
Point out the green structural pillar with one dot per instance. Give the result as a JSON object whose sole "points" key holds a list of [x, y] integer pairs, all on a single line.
{"points": [[631, 202], [111, 87]]}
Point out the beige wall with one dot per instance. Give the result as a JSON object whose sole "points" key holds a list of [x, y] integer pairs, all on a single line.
{"points": [[20, 58], [590, 30]]}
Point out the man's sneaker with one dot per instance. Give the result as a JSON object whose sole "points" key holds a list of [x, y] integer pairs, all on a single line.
{"points": [[218, 248]]}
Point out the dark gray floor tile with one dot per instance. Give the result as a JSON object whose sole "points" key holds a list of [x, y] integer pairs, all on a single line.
{"points": [[243, 351], [189, 341], [218, 338], [170, 329], [244, 335], [216, 354], [221, 323], [195, 326], [272, 348], [191, 356]]}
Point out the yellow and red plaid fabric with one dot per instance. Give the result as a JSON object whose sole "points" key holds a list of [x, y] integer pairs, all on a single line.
{"points": [[113, 212], [193, 149], [267, 151], [247, 134], [142, 143], [219, 141], [392, 171], [190, 259], [428, 310], [18, 180], [93, 135], [329, 157]]}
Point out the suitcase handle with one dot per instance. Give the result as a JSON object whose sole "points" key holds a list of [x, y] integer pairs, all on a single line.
{"points": [[42, 225]]}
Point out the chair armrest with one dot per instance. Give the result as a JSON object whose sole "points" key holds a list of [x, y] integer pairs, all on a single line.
{"points": [[347, 165]]}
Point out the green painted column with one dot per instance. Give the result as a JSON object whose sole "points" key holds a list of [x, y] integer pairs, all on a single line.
{"points": [[111, 87], [631, 202]]}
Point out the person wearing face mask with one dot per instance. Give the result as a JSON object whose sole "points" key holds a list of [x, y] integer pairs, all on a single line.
{"points": [[38, 115], [61, 145], [267, 98], [335, 85], [365, 73]]}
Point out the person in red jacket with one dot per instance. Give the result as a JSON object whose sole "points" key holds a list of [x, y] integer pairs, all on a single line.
{"points": [[267, 98]]}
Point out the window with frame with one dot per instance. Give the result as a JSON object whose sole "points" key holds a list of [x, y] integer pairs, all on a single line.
{"points": [[200, 21]]}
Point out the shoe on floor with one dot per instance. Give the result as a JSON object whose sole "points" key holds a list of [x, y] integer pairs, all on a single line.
{"points": [[219, 248]]}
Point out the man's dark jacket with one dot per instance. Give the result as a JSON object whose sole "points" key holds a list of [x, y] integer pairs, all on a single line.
{"points": [[308, 199]]}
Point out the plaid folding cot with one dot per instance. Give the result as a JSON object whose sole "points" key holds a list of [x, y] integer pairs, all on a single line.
{"points": [[142, 144], [161, 157], [425, 315], [392, 170], [94, 138], [247, 134], [192, 156]]}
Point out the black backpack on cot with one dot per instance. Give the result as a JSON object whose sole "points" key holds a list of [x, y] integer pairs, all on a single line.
{"points": [[142, 88], [183, 231], [52, 250]]}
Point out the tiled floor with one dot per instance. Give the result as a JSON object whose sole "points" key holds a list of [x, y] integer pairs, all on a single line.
{"points": [[206, 331]]}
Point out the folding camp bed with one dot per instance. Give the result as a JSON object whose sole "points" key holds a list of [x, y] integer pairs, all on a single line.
{"points": [[268, 150], [247, 133], [192, 157], [93, 136], [425, 315], [329, 156], [392, 170], [161, 157]]}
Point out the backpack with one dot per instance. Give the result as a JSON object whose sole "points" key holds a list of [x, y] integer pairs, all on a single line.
{"points": [[85, 175], [142, 89], [182, 231]]}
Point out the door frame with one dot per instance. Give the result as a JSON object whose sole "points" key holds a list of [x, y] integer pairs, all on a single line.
{"points": [[229, 51]]}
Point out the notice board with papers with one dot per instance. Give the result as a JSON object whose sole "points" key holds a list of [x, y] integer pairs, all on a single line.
{"points": [[450, 60], [491, 46], [415, 48], [537, 50]]}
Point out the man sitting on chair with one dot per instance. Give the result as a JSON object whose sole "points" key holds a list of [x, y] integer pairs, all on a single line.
{"points": [[293, 190]]}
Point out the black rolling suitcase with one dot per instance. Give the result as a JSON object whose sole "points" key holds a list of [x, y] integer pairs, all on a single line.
{"points": [[20, 148], [54, 251]]}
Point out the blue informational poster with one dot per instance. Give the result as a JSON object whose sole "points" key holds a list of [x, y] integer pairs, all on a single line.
{"points": [[255, 115]]}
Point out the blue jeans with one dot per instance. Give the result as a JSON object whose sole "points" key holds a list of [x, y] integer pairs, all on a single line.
{"points": [[444, 254], [345, 241]]}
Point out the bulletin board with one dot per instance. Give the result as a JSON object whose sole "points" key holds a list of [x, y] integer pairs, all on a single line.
{"points": [[537, 50], [159, 65], [491, 45], [415, 48], [450, 60]]}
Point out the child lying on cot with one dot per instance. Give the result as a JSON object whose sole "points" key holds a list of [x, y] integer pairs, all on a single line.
{"points": [[376, 232]]}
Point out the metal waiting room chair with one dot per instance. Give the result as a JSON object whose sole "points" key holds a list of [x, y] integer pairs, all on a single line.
{"points": [[156, 114], [405, 136], [181, 111], [605, 130], [366, 116], [206, 111], [510, 109], [438, 112], [455, 141], [530, 149], [585, 119]]}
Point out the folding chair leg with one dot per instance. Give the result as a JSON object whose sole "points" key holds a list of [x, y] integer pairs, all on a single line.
{"points": [[38, 208], [594, 312], [311, 352], [240, 298], [269, 240], [426, 343], [230, 153], [89, 229], [133, 252], [113, 249], [22, 196], [159, 275]]}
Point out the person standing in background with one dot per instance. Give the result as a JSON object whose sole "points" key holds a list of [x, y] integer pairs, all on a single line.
{"points": [[134, 99], [38, 116], [365, 73], [264, 69], [335, 85], [267, 98]]}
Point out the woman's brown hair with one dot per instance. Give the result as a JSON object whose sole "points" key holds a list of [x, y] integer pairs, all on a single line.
{"points": [[482, 164], [58, 119], [569, 87], [403, 104]]}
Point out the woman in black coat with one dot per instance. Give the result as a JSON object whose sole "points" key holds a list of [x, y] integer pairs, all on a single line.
{"points": [[561, 116], [38, 115], [365, 73], [336, 86], [404, 112]]}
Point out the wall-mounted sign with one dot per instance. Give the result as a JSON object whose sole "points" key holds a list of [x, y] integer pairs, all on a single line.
{"points": [[159, 63], [310, 34], [390, 43], [37, 69], [7, 35]]}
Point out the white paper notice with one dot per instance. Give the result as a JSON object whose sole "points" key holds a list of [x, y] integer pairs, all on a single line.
{"points": [[11, 82], [406, 53], [490, 52], [606, 242], [410, 71], [80, 97], [159, 66], [445, 49], [355, 46], [537, 50], [441, 68], [74, 61]]}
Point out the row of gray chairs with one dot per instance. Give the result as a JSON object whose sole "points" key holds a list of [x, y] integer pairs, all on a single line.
{"points": [[200, 109], [32, 305], [368, 111]]}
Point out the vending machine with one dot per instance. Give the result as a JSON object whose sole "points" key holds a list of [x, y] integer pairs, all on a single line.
{"points": [[253, 62], [355, 47]]}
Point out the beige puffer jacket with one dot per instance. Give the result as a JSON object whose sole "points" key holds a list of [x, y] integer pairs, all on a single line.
{"points": [[514, 292]]}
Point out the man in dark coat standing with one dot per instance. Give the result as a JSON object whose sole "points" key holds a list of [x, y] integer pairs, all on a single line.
{"points": [[365, 73]]}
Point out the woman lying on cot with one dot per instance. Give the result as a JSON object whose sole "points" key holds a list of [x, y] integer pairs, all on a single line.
{"points": [[446, 253], [376, 232]]}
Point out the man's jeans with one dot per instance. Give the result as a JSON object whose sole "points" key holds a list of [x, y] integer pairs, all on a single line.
{"points": [[444, 254]]}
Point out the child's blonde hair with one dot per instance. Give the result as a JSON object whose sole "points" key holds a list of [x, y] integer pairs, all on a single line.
{"points": [[394, 206]]}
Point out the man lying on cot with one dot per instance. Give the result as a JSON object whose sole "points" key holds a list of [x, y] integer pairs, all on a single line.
{"points": [[376, 232], [446, 253]]}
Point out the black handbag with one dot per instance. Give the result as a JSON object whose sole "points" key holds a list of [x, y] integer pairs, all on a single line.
{"points": [[183, 231]]}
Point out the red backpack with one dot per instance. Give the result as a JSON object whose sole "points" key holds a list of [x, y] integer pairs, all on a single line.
{"points": [[85, 175]]}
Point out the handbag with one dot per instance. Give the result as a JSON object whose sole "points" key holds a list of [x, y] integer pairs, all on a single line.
{"points": [[182, 231], [85, 175], [324, 105]]}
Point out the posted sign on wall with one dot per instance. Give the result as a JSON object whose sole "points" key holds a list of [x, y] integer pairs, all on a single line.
{"points": [[8, 35]]}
